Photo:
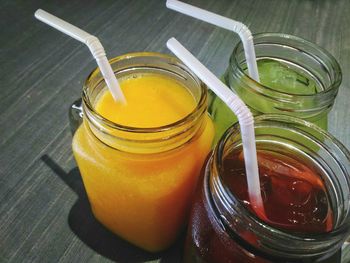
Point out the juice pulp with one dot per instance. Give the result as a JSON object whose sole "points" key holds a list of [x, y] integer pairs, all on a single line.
{"points": [[144, 198], [277, 76], [295, 200]]}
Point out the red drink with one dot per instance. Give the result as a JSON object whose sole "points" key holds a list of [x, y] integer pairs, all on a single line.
{"points": [[295, 201], [294, 196], [305, 184]]}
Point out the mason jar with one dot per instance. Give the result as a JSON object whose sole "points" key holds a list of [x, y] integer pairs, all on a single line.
{"points": [[140, 181], [223, 229], [308, 62]]}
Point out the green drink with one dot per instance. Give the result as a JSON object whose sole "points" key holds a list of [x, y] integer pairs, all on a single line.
{"points": [[297, 78], [286, 78]]}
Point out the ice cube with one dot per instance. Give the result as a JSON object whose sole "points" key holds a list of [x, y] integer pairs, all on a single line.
{"points": [[282, 77]]}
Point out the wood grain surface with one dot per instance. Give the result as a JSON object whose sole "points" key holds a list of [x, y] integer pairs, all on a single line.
{"points": [[44, 213]]}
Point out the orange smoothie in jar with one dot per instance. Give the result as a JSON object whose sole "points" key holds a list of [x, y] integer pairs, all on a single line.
{"points": [[140, 161]]}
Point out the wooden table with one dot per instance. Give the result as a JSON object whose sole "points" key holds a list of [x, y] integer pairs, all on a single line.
{"points": [[44, 213]]}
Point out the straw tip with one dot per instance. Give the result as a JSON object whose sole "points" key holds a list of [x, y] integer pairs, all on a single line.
{"points": [[171, 41], [38, 13], [169, 3]]}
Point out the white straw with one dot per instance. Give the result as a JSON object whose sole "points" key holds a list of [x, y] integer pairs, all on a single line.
{"points": [[224, 22], [245, 117], [94, 45]]}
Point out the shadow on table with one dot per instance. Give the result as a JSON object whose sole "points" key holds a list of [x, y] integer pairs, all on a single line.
{"points": [[96, 236]]}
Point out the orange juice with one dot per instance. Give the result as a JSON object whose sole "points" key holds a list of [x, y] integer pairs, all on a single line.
{"points": [[140, 166], [153, 100]]}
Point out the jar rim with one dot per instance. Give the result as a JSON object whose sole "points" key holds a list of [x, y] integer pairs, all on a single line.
{"points": [[194, 114], [259, 88]]}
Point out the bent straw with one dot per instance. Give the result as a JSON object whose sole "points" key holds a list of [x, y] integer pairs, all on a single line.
{"points": [[94, 45], [245, 119], [224, 22]]}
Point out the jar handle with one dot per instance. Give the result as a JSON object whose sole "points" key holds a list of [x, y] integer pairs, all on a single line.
{"points": [[75, 115]]}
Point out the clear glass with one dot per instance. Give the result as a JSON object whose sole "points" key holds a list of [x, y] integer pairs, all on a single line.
{"points": [[300, 55], [221, 229], [140, 181]]}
